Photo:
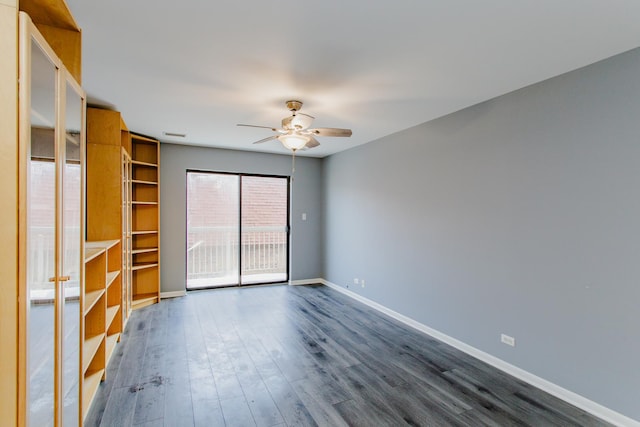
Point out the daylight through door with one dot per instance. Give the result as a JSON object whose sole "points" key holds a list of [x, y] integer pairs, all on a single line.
{"points": [[236, 229]]}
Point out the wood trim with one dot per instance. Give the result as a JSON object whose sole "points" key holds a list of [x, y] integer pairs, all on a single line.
{"points": [[305, 282], [23, 144], [173, 294], [60, 149], [159, 290], [9, 216]]}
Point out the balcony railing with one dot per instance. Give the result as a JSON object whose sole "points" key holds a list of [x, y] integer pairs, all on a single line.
{"points": [[212, 254], [212, 257], [41, 259]]}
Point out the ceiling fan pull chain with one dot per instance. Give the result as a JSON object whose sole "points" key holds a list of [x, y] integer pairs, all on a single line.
{"points": [[293, 164]]}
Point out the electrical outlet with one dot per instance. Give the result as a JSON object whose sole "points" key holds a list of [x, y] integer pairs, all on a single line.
{"points": [[362, 282], [355, 281], [304, 216], [506, 339]]}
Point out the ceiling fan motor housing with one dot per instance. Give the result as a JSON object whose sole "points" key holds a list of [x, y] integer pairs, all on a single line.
{"points": [[294, 105]]}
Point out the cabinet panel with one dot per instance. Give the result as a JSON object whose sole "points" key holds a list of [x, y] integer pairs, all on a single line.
{"points": [[10, 377], [52, 232], [103, 185], [72, 237]]}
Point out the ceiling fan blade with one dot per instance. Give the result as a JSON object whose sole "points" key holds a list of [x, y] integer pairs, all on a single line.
{"points": [[256, 126], [312, 142], [298, 113], [269, 138], [331, 132]]}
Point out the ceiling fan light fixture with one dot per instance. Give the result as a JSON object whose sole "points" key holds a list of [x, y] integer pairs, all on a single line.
{"points": [[294, 141], [301, 121]]}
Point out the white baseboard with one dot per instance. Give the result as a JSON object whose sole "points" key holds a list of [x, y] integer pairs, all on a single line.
{"points": [[173, 294], [581, 402], [306, 282]]}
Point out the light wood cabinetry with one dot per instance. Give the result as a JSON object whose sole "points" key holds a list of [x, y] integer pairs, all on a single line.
{"points": [[123, 183], [145, 220], [105, 132], [55, 22], [9, 375], [51, 229], [105, 313], [102, 313]]}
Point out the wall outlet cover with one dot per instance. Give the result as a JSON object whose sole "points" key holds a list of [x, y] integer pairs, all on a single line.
{"points": [[506, 339]]}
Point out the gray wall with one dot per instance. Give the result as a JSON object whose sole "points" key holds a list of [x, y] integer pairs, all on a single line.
{"points": [[520, 215], [306, 244]]}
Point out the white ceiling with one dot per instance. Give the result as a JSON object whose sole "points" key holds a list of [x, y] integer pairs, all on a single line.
{"points": [[201, 66]]}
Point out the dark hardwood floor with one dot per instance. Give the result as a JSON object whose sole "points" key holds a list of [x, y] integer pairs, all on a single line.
{"points": [[298, 356]]}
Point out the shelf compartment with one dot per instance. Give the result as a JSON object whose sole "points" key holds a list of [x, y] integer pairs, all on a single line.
{"points": [[90, 253], [90, 299], [144, 149], [144, 193], [111, 342], [112, 312], [89, 388], [144, 139], [112, 276], [146, 257], [145, 172], [95, 270], [145, 217], [143, 300], [90, 347]]}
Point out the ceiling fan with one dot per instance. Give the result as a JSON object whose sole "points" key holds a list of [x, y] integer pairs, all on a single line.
{"points": [[296, 133]]}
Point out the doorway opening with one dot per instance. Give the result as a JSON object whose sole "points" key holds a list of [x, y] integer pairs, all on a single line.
{"points": [[237, 229]]}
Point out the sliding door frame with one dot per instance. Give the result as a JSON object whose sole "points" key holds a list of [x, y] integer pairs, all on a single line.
{"points": [[240, 175]]}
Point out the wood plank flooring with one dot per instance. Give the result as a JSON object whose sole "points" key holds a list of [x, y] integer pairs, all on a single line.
{"points": [[303, 356]]}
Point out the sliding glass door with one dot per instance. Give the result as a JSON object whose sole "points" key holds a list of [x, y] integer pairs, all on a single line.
{"points": [[264, 218], [237, 229]]}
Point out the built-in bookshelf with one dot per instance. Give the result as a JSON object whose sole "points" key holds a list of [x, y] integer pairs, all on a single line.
{"points": [[145, 222], [102, 313]]}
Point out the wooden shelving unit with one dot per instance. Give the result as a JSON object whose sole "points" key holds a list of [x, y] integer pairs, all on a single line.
{"points": [[127, 256], [102, 314], [145, 222], [105, 252], [122, 254]]}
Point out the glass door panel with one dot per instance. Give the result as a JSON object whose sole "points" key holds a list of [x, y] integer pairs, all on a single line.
{"points": [[265, 208], [72, 261], [41, 259], [212, 230]]}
